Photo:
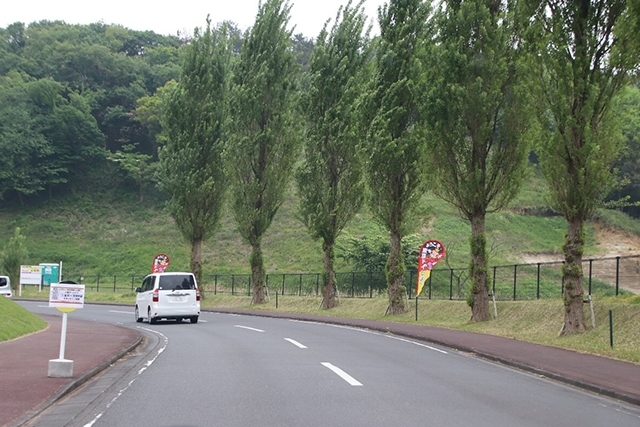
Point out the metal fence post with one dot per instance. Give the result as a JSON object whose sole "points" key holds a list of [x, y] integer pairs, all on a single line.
{"points": [[590, 269], [538, 283], [233, 282], [98, 283], [450, 284], [132, 280], [494, 280], [114, 284], [283, 276], [353, 284], [617, 274], [300, 285], [515, 279]]}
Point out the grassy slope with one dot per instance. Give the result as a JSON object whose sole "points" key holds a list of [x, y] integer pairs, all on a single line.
{"points": [[16, 321], [121, 237]]}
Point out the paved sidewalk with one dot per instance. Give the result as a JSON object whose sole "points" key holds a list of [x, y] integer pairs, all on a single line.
{"points": [[95, 346], [24, 364]]}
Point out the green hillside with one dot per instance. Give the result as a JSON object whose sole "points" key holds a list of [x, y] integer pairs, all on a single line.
{"points": [[119, 235]]}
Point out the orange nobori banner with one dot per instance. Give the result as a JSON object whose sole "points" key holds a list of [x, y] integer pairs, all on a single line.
{"points": [[160, 263], [431, 252]]}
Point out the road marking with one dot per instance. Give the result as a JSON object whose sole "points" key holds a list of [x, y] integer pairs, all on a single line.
{"points": [[416, 343], [247, 327], [119, 311], [342, 374], [296, 343], [353, 328], [122, 391]]}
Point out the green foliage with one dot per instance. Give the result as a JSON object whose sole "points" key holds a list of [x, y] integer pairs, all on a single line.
{"points": [[67, 93], [195, 121], [139, 167], [371, 254], [13, 256], [584, 52], [395, 133], [329, 179], [576, 89], [264, 140], [479, 123], [394, 130]]}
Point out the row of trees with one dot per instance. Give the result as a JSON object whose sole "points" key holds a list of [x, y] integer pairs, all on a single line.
{"points": [[449, 99]]}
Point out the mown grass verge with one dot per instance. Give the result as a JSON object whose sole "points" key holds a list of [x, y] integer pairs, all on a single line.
{"points": [[16, 321]]}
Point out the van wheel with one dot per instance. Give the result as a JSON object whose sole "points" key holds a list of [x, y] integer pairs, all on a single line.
{"points": [[152, 320], [194, 319], [138, 318], [179, 319]]}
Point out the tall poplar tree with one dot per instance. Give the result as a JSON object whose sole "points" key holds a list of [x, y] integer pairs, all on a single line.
{"points": [[265, 140], [195, 120], [476, 109], [586, 51], [330, 178], [395, 132]]}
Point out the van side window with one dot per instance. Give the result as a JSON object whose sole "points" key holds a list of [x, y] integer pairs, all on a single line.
{"points": [[3, 281], [147, 285]]}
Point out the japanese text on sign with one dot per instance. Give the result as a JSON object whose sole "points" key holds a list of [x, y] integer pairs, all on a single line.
{"points": [[66, 295]]}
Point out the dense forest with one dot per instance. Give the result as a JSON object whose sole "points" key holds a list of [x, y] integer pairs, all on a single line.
{"points": [[73, 115], [74, 97]]}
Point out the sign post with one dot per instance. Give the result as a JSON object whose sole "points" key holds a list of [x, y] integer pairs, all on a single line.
{"points": [[66, 297], [29, 275], [51, 273]]}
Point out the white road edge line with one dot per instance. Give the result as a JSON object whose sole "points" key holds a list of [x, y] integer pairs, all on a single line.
{"points": [[342, 374], [296, 343], [123, 312], [417, 343], [247, 327], [121, 392]]}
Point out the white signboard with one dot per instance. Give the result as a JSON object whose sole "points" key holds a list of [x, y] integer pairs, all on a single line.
{"points": [[66, 295], [30, 274]]}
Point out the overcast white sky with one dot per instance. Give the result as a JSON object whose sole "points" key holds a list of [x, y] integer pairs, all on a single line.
{"points": [[169, 17]]}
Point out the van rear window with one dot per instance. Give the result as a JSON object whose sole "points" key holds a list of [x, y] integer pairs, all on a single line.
{"points": [[3, 282], [177, 281]]}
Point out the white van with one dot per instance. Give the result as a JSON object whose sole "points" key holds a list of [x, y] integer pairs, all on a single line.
{"points": [[5, 286], [168, 296]]}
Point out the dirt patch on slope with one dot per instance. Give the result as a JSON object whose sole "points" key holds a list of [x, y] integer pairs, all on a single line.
{"points": [[611, 243]]}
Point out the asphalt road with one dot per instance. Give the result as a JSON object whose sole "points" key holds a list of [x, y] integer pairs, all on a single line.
{"points": [[231, 370]]}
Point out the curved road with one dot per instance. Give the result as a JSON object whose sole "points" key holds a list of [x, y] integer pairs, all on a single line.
{"points": [[234, 371]]}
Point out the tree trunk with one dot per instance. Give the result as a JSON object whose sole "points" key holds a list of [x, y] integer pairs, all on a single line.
{"points": [[479, 300], [395, 273], [196, 264], [329, 283], [572, 275], [257, 274]]}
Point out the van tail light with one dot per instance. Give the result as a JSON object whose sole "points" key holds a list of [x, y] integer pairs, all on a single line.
{"points": [[154, 298], [197, 294]]}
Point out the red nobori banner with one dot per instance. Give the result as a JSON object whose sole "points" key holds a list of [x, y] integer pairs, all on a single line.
{"points": [[160, 263], [431, 252]]}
